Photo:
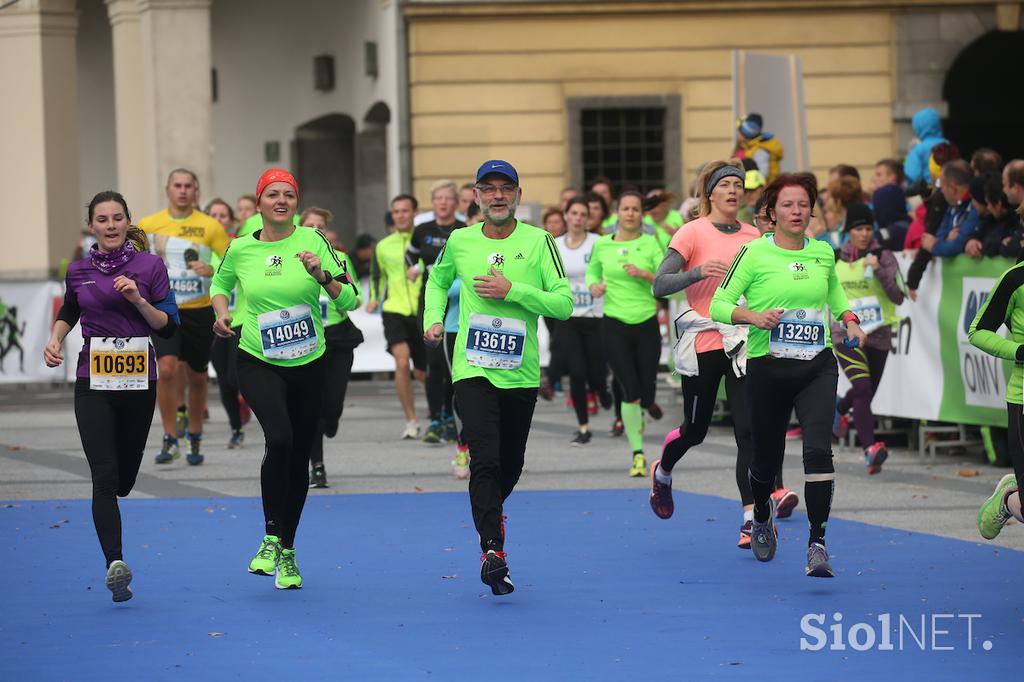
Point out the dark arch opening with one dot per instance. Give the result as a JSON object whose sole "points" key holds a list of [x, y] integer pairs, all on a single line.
{"points": [[985, 102], [324, 153], [372, 165]]}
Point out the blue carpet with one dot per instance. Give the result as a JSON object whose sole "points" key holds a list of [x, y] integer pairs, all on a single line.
{"points": [[604, 591]]}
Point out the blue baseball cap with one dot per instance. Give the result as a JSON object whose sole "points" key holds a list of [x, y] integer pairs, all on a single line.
{"points": [[497, 166]]}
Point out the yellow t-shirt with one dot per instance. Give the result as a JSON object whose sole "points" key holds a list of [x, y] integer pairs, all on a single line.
{"points": [[179, 242]]}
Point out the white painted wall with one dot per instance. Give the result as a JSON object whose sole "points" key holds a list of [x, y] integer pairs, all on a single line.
{"points": [[263, 51], [97, 142]]}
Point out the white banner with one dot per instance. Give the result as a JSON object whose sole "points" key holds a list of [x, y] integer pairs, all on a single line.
{"points": [[26, 317]]}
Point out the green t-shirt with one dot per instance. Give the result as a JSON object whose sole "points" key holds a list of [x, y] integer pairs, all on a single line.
{"points": [[1005, 305], [772, 277], [529, 259], [627, 299], [673, 219], [333, 312], [282, 324]]}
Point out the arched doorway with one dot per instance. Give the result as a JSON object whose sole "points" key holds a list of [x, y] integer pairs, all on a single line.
{"points": [[372, 162], [984, 100], [324, 154]]}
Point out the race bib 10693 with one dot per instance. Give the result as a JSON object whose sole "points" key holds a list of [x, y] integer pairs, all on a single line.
{"points": [[119, 364]]}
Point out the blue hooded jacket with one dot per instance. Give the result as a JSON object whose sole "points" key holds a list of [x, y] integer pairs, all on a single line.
{"points": [[928, 129]]}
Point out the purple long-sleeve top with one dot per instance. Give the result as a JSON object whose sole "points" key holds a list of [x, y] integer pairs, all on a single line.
{"points": [[90, 296]]}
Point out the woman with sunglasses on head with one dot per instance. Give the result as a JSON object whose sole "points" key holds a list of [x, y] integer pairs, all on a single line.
{"points": [[121, 294], [281, 269], [790, 284]]}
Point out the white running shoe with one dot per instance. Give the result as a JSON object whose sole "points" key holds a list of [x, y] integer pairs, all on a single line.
{"points": [[412, 431]]}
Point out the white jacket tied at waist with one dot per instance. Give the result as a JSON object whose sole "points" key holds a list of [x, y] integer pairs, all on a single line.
{"points": [[734, 341]]}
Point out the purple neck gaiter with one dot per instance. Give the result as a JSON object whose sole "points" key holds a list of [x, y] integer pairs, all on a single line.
{"points": [[108, 262]]}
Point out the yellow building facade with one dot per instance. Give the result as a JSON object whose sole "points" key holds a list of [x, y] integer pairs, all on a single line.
{"points": [[494, 79]]}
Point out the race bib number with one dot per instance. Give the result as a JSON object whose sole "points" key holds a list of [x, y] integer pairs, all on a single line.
{"points": [[177, 253], [582, 299], [799, 336], [495, 342], [119, 364], [288, 334], [869, 310]]}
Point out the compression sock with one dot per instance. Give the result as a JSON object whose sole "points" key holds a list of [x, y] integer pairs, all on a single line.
{"points": [[818, 497], [633, 421]]}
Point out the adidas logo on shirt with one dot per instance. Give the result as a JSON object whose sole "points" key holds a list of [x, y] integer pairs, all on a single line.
{"points": [[520, 256]]}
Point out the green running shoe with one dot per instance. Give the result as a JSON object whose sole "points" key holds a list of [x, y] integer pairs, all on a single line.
{"points": [[993, 515], [266, 560], [639, 467], [288, 577], [169, 451], [118, 578], [181, 422]]}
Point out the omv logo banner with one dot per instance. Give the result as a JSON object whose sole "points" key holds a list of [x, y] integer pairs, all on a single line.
{"points": [[975, 293], [982, 375]]}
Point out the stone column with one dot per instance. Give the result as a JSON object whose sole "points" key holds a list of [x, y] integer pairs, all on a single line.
{"points": [[39, 135], [162, 82]]}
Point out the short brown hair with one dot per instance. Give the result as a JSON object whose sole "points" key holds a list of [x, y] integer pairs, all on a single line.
{"points": [[316, 210], [804, 180], [895, 167]]}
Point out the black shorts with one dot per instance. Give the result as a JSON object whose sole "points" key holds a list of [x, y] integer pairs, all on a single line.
{"points": [[192, 340], [405, 329]]}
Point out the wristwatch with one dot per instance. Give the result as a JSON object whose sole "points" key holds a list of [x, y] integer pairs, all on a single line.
{"points": [[328, 278]]}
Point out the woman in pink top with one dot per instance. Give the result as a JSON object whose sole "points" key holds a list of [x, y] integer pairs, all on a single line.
{"points": [[697, 259]]}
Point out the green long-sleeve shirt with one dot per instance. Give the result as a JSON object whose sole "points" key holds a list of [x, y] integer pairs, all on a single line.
{"points": [[1005, 305], [388, 281], [772, 277], [504, 331], [626, 298]]}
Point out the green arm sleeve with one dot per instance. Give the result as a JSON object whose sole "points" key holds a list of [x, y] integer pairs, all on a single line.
{"points": [[225, 278], [377, 277], [555, 299], [595, 273], [994, 313], [435, 297], [732, 287], [837, 301]]}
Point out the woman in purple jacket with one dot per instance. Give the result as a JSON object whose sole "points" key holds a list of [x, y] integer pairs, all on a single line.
{"points": [[121, 294]]}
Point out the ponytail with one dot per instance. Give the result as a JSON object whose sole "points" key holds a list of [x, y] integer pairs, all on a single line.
{"points": [[138, 239]]}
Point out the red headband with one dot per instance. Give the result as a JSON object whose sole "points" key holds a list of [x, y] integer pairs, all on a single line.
{"points": [[275, 175]]}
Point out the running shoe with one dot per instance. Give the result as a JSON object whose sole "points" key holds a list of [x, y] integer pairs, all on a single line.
{"points": [[237, 439], [494, 570], [546, 391], [318, 477], [265, 561], [874, 455], [605, 398], [764, 536], [744, 542], [785, 502], [661, 495], [993, 515], [617, 429], [244, 411], [581, 438], [118, 578], [194, 457], [460, 465], [433, 435], [817, 561], [639, 467], [331, 428], [448, 430], [287, 577], [181, 422], [795, 433], [169, 451], [412, 431], [592, 406], [655, 411]]}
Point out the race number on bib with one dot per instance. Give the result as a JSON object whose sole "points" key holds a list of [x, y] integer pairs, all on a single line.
{"points": [[119, 364], [289, 333], [582, 299], [495, 342], [869, 310], [799, 336]]}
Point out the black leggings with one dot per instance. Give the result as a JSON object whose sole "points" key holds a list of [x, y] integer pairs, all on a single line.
{"points": [[700, 393], [1015, 438], [224, 357], [496, 424], [113, 426], [579, 342], [438, 383], [774, 388], [633, 352], [286, 401], [449, 346], [342, 339], [558, 352]]}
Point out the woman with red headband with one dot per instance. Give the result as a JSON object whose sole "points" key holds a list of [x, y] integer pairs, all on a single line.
{"points": [[281, 269]]}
